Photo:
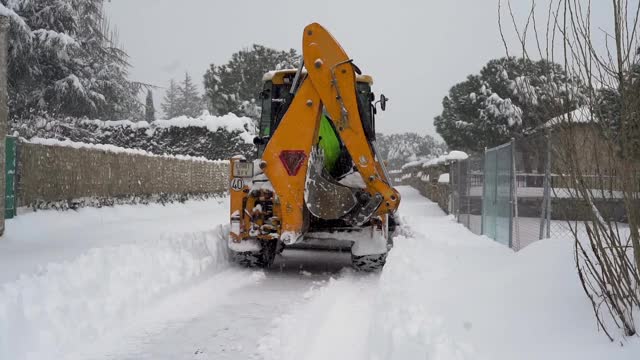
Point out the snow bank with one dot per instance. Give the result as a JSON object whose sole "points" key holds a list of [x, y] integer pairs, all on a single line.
{"points": [[446, 293], [449, 294], [78, 301], [67, 279], [229, 122], [115, 149]]}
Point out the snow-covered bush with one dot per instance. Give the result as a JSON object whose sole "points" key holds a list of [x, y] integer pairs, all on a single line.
{"points": [[211, 137]]}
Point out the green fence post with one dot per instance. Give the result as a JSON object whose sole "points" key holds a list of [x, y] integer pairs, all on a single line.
{"points": [[10, 176]]}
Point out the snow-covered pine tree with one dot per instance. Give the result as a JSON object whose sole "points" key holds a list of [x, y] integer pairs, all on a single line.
{"points": [[234, 86], [189, 101], [511, 97], [63, 61], [149, 109], [170, 104]]}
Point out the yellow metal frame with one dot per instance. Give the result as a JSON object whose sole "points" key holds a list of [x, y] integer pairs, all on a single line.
{"points": [[277, 77], [331, 82]]}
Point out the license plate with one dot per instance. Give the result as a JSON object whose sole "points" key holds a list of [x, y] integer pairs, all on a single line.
{"points": [[243, 169]]}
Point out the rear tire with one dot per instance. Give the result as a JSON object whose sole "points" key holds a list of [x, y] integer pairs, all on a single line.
{"points": [[368, 263], [257, 259]]}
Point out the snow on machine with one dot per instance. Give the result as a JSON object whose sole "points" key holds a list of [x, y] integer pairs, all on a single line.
{"points": [[318, 180]]}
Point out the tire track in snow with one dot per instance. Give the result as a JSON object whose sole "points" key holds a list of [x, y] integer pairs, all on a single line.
{"points": [[225, 316], [333, 323]]}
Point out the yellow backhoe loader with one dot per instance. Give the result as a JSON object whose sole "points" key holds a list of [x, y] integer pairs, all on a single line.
{"points": [[317, 181]]}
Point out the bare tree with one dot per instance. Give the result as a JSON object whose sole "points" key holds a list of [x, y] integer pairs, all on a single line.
{"points": [[596, 148]]}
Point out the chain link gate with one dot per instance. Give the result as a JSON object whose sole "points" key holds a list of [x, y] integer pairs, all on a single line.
{"points": [[498, 194]]}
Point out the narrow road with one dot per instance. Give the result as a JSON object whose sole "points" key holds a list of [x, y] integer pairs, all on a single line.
{"points": [[222, 317], [163, 289]]}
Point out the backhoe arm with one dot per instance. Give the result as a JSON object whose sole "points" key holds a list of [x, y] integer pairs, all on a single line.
{"points": [[331, 83], [333, 77]]}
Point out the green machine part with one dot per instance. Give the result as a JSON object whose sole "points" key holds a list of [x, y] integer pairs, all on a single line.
{"points": [[329, 143]]}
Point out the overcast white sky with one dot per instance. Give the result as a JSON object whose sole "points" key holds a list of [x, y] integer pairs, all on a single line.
{"points": [[415, 49]]}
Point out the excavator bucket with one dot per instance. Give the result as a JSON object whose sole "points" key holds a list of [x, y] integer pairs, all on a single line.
{"points": [[326, 198]]}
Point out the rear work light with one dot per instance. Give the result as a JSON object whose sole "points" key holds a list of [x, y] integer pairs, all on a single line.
{"points": [[242, 169], [292, 160]]}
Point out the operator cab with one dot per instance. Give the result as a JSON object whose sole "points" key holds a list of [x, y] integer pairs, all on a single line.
{"points": [[276, 97]]}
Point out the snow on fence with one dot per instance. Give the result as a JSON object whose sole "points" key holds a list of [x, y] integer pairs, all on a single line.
{"points": [[51, 171], [430, 177]]}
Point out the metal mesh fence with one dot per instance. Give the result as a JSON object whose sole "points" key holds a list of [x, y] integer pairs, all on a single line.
{"points": [[498, 194], [545, 204], [467, 184], [512, 194], [531, 190], [467, 178]]}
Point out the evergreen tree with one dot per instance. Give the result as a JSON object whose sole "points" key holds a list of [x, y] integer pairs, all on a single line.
{"points": [[234, 86], [64, 61], [170, 105], [509, 98], [189, 101], [150, 109]]}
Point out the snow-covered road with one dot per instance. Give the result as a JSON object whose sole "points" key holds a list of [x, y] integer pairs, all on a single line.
{"points": [[154, 283], [224, 316]]}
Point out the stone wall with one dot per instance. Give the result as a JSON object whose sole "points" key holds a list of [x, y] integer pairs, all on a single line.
{"points": [[416, 178], [57, 173]]}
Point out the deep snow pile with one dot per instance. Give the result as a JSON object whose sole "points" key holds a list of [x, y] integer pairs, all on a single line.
{"points": [[448, 294], [67, 279], [208, 136]]}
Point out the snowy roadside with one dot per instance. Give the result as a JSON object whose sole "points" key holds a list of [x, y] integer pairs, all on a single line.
{"points": [[151, 281], [449, 294], [69, 278]]}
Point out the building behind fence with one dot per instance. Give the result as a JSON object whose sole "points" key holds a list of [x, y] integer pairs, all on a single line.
{"points": [[515, 193]]}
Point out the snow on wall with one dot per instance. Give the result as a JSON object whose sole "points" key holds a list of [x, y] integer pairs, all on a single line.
{"points": [[116, 149], [50, 171]]}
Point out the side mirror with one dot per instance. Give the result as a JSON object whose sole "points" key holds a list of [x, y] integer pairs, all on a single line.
{"points": [[383, 102], [257, 141]]}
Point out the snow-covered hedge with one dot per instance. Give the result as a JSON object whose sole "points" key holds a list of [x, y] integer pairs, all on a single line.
{"points": [[207, 136]]}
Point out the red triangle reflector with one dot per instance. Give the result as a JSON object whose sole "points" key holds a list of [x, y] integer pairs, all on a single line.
{"points": [[292, 160]]}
